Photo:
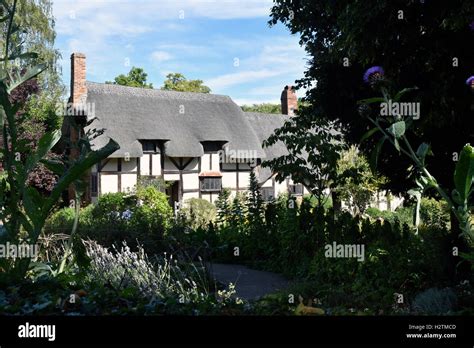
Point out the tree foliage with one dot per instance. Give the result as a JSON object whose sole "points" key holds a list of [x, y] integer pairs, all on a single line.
{"points": [[37, 16], [356, 184], [136, 77], [421, 43], [313, 147], [266, 108], [24, 211], [177, 82]]}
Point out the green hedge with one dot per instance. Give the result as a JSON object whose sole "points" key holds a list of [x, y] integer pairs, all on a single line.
{"points": [[143, 218]]}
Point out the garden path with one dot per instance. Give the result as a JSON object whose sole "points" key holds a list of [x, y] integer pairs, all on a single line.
{"points": [[250, 284]]}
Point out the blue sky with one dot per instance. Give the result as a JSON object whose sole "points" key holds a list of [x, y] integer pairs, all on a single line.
{"points": [[226, 43]]}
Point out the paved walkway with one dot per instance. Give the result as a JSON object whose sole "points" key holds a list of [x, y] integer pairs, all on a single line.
{"points": [[249, 284]]}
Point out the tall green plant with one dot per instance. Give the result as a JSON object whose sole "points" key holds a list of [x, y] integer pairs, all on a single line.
{"points": [[254, 201], [394, 129], [223, 206], [313, 145], [24, 211]]}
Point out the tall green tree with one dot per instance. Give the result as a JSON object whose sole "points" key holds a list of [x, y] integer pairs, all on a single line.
{"points": [[39, 97], [136, 77], [177, 82], [24, 210], [314, 146], [37, 16], [419, 43]]}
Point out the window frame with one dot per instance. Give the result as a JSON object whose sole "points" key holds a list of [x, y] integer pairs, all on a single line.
{"points": [[294, 188], [149, 142], [266, 198], [94, 187], [203, 179]]}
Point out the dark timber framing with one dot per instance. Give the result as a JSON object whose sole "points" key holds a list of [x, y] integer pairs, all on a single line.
{"points": [[119, 175], [138, 170], [99, 190], [199, 172], [237, 177], [151, 164], [182, 170]]}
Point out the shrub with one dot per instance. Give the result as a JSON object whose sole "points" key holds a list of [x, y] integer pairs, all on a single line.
{"points": [[435, 301], [198, 213], [144, 217], [223, 206], [434, 212], [109, 207], [127, 269], [60, 222], [292, 237], [154, 209]]}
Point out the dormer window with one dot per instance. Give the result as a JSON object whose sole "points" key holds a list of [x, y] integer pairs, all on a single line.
{"points": [[149, 146]]}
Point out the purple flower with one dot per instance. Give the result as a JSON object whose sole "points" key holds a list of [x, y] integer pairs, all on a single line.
{"points": [[127, 214], [374, 74], [470, 82], [471, 25]]}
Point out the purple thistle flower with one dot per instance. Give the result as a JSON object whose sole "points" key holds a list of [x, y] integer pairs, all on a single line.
{"points": [[470, 82], [374, 74], [471, 26]]}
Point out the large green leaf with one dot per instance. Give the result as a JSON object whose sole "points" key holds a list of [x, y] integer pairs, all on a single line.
{"points": [[371, 100], [374, 157], [76, 171], [26, 55], [56, 167], [2, 117], [401, 93], [369, 133], [45, 144], [464, 172], [423, 150], [397, 129], [30, 73], [33, 202]]}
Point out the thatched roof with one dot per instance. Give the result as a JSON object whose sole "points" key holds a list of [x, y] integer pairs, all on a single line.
{"points": [[181, 119], [264, 125]]}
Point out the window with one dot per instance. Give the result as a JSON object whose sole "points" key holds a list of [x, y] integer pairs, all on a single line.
{"points": [[148, 146], [268, 194], [211, 184], [212, 146], [94, 185], [296, 190]]}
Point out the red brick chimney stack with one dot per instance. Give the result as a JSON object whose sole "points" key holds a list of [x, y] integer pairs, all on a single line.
{"points": [[75, 111], [78, 77], [289, 101]]}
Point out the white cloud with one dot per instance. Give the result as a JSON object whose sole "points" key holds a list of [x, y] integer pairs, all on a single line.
{"points": [[160, 56], [228, 80], [277, 59], [118, 34]]}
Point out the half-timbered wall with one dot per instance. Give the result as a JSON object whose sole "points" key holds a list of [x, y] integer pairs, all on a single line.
{"points": [[121, 175]]}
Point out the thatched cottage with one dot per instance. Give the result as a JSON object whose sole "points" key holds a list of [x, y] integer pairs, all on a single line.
{"points": [[197, 143]]}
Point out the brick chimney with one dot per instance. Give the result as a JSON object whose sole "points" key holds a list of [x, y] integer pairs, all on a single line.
{"points": [[289, 101], [75, 119], [78, 78]]}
